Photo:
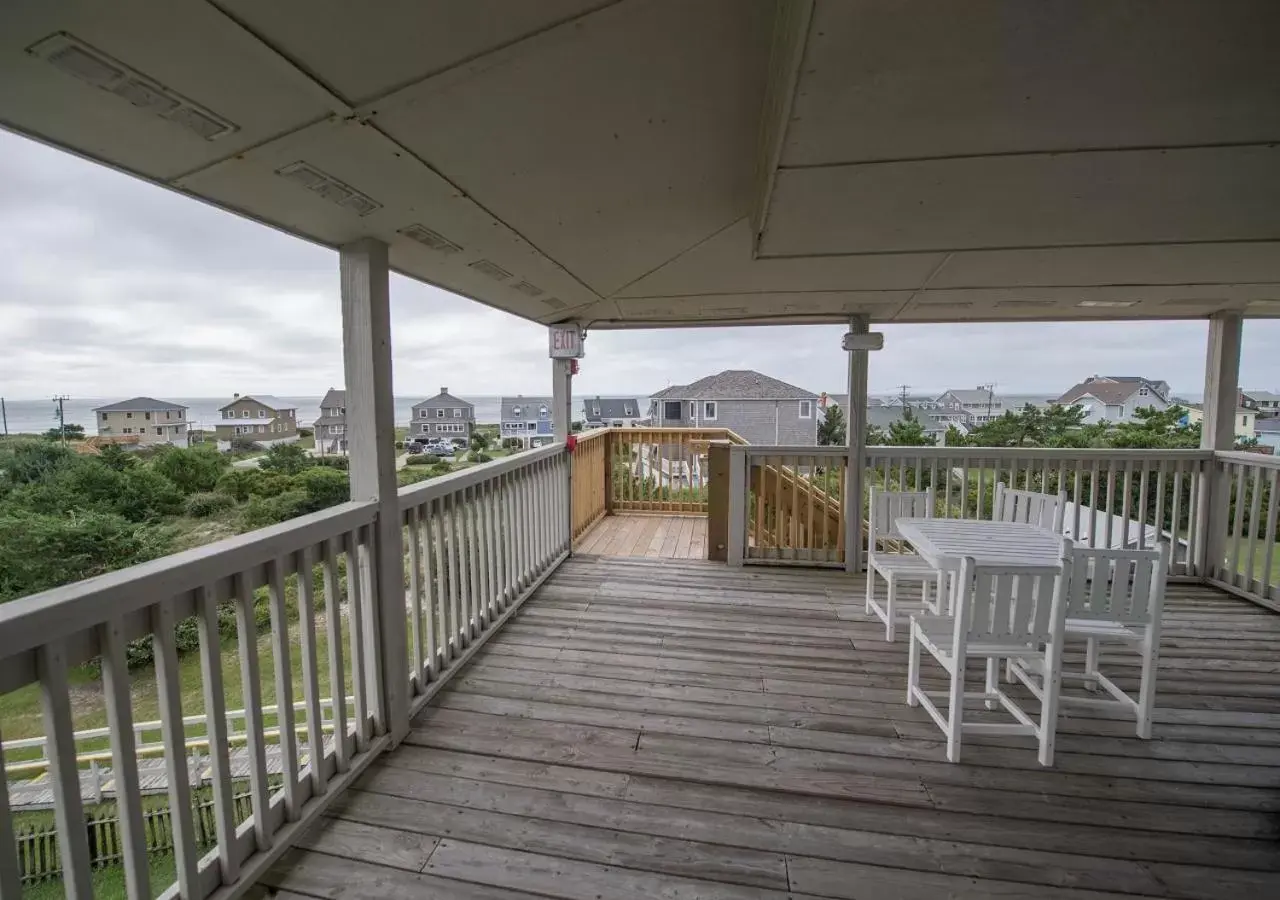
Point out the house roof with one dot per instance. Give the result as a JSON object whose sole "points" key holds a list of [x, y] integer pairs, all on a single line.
{"points": [[737, 384], [1112, 393], [444, 397], [325, 421], [140, 404], [334, 398], [1267, 426], [669, 391], [266, 400], [611, 408], [884, 416], [525, 404], [974, 396], [1262, 395]]}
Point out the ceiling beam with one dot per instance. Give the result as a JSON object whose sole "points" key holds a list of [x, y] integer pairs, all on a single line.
{"points": [[786, 54]]}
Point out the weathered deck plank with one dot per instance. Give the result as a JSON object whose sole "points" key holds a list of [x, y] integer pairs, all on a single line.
{"points": [[652, 728]]}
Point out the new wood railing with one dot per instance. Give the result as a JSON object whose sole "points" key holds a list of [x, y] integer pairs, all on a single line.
{"points": [[660, 470], [1245, 557], [590, 480]]}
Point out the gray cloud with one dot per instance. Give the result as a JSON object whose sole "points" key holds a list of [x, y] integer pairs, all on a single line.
{"points": [[112, 287]]}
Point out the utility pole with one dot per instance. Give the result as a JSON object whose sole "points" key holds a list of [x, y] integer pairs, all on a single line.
{"points": [[902, 393], [4, 415], [62, 417], [991, 397]]}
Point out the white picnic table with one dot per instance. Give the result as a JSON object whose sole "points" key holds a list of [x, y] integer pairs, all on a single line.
{"points": [[945, 542]]}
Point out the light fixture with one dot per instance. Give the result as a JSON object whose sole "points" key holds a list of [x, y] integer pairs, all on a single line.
{"points": [[490, 268], [329, 188], [554, 302], [1107, 304], [74, 57], [433, 240]]}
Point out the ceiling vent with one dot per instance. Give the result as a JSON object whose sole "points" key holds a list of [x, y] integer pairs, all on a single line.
{"points": [[329, 188], [529, 290], [1107, 304], [943, 304], [431, 239], [492, 269], [78, 59], [1024, 304], [554, 302]]}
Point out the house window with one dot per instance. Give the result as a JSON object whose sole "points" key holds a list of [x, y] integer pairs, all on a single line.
{"points": [[147, 416], [457, 413], [515, 410], [426, 428], [671, 410], [262, 414], [533, 426], [440, 413], [543, 411], [244, 413], [128, 431], [159, 431], [104, 417], [626, 410], [262, 429], [1142, 392], [595, 410], [128, 415], [693, 410], [179, 414], [709, 410], [337, 429], [806, 409]]}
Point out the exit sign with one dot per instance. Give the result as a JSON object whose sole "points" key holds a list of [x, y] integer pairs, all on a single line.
{"points": [[565, 341]]}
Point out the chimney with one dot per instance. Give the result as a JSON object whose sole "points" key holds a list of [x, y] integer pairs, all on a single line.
{"points": [[444, 390], [235, 396]]}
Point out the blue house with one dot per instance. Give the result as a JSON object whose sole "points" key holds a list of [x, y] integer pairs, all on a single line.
{"points": [[527, 418]]}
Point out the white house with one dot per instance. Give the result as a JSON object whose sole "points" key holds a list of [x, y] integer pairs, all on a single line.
{"points": [[1115, 398], [1264, 402], [971, 407], [1245, 419]]}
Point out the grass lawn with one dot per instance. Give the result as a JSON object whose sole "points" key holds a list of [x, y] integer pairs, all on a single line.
{"points": [[108, 883]]}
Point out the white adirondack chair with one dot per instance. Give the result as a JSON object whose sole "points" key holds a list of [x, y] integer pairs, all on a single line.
{"points": [[1000, 613], [1116, 596], [886, 508], [1029, 507]]}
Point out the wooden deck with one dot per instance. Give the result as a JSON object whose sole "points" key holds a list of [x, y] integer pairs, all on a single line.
{"points": [[652, 536], [649, 729]]}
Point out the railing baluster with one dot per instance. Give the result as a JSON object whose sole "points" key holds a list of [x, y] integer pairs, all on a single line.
{"points": [[215, 715], [449, 545], [283, 667], [981, 512], [1254, 484], [1161, 485], [356, 627], [1237, 526], [310, 671], [1269, 545], [169, 693], [10, 881], [251, 691], [124, 759], [337, 672], [414, 527], [466, 564], [1126, 503], [68, 810], [1176, 523]]}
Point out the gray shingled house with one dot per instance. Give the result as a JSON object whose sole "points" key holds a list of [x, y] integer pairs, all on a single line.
{"points": [[527, 418], [143, 421], [761, 409], [331, 427], [443, 416], [618, 412]]}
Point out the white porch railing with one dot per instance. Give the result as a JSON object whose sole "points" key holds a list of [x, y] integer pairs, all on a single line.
{"points": [[1244, 557], [476, 544], [783, 499]]}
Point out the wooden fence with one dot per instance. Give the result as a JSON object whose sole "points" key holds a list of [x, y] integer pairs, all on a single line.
{"points": [[39, 859]]}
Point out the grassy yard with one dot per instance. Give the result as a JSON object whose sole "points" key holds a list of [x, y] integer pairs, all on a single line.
{"points": [[108, 883]]}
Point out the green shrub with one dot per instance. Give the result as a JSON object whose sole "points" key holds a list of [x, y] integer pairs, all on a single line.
{"points": [[203, 505], [324, 486], [480, 457], [421, 459], [511, 443], [245, 445], [287, 459], [39, 551], [269, 484], [263, 511], [139, 494], [440, 468], [238, 482], [333, 462], [192, 470]]}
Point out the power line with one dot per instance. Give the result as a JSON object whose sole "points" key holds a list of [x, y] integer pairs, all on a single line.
{"points": [[61, 416]]}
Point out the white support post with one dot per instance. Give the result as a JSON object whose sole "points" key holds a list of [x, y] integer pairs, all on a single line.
{"points": [[562, 411], [856, 438], [366, 341], [1221, 399]]}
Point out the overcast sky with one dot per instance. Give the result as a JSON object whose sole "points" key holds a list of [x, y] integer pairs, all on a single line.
{"points": [[110, 287]]}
